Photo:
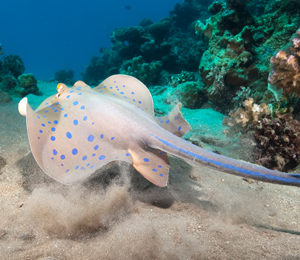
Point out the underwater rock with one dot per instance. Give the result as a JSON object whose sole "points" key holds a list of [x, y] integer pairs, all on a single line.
{"points": [[8, 83], [13, 64], [148, 73], [28, 85], [285, 73], [191, 94]]}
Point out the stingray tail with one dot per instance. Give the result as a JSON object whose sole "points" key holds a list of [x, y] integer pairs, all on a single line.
{"points": [[187, 151]]}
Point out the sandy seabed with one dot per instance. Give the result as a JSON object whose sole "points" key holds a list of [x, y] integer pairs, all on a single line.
{"points": [[202, 214]]}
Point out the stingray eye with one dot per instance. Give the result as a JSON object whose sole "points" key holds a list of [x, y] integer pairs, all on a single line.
{"points": [[60, 89]]}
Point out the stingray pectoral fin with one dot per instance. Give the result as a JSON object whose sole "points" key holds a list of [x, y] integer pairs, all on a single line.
{"points": [[151, 163], [22, 107], [174, 122]]}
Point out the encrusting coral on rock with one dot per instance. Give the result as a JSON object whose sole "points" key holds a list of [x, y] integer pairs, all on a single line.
{"points": [[285, 73], [275, 134]]}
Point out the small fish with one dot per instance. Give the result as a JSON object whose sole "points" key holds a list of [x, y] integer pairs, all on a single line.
{"points": [[127, 7], [80, 129]]}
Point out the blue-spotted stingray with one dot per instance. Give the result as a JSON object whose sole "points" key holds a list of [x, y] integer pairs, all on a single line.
{"points": [[80, 129]]}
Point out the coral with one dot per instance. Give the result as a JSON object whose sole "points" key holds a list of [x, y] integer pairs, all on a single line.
{"points": [[241, 118], [278, 142], [275, 133], [191, 94], [8, 83], [65, 76], [28, 85], [285, 73], [183, 77], [14, 65], [159, 30], [148, 73]]}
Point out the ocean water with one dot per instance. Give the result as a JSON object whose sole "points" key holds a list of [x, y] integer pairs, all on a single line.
{"points": [[58, 34]]}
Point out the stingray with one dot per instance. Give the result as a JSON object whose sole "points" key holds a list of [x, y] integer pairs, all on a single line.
{"points": [[80, 129]]}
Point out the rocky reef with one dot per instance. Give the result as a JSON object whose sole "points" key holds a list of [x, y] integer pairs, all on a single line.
{"points": [[12, 80], [241, 57]]}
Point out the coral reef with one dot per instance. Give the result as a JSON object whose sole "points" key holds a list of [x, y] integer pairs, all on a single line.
{"points": [[191, 94], [170, 41], [28, 84], [275, 134], [285, 73], [240, 46], [64, 76], [148, 73], [14, 65]]}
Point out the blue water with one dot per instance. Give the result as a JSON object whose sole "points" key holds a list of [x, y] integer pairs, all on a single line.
{"points": [[59, 34]]}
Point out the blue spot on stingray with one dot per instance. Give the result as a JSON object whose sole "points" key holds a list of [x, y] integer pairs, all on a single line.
{"points": [[54, 152], [52, 158], [101, 136], [114, 94], [132, 93], [154, 170], [96, 147], [75, 122], [41, 131], [75, 103], [82, 107], [62, 157], [92, 167], [68, 96], [52, 138], [38, 117], [123, 86], [122, 93], [93, 123], [104, 87], [78, 88], [44, 116], [74, 151], [179, 128], [124, 97], [72, 91], [55, 110], [110, 87], [161, 121], [39, 138], [76, 167], [57, 103], [90, 138], [112, 138], [146, 160], [52, 105], [161, 175], [88, 164], [84, 118], [46, 111], [140, 102], [67, 170], [49, 122], [167, 122], [79, 94], [133, 99], [93, 154], [69, 135], [159, 166], [62, 108], [102, 157], [128, 154], [84, 158], [65, 115], [55, 122], [53, 129], [46, 104], [43, 125], [161, 153]]}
